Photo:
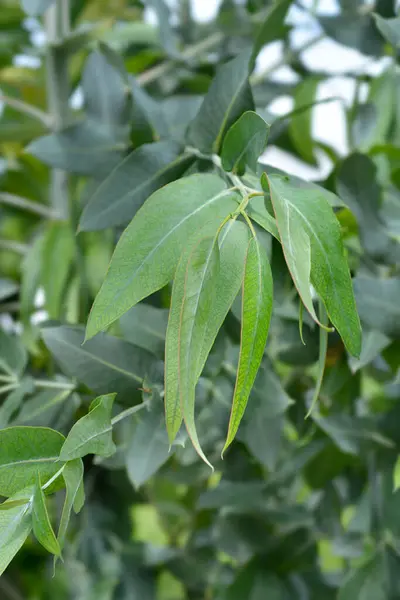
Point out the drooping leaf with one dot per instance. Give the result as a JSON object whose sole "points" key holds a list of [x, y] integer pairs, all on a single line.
{"points": [[232, 244], [257, 211], [92, 434], [58, 242], [105, 364], [373, 342], [117, 199], [13, 356], [24, 452], [330, 275], [389, 28], [41, 524], [148, 448], [354, 30], [227, 99], [256, 316], [378, 303], [15, 526], [84, 149], [73, 478], [147, 254], [167, 35], [146, 327], [273, 27], [35, 8], [244, 142], [196, 305], [300, 126], [107, 98]]}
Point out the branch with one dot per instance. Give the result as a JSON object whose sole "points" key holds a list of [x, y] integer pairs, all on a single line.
{"points": [[25, 204], [27, 109]]}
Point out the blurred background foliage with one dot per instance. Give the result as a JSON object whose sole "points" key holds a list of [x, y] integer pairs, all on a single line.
{"points": [[298, 509]]}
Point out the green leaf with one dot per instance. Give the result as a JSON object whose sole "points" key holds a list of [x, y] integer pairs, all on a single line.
{"points": [[107, 98], [105, 364], [41, 525], [232, 242], [396, 475], [148, 448], [306, 215], [73, 478], [300, 125], [35, 8], [368, 582], [389, 28], [58, 242], [166, 32], [41, 408], [196, 305], [117, 199], [244, 142], [272, 28], [24, 452], [373, 342], [92, 434], [354, 30], [84, 149], [13, 401], [7, 288], [378, 303], [146, 326], [256, 316], [227, 98], [147, 254], [257, 211], [350, 434], [13, 356], [15, 526]]}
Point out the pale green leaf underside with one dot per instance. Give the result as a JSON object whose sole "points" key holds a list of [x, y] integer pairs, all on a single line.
{"points": [[148, 252], [256, 316]]}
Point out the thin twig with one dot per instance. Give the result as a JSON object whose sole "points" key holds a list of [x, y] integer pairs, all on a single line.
{"points": [[128, 412], [54, 385], [27, 109], [25, 204]]}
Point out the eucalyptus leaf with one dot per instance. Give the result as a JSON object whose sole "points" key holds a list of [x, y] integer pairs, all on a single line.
{"points": [[146, 327], [330, 275], [389, 28], [368, 582], [7, 288], [259, 213], [41, 524], [228, 97], [35, 8], [273, 27], [92, 434], [117, 199], [377, 301], [300, 126], [256, 316], [244, 142], [13, 355], [15, 526], [147, 254], [73, 478], [25, 452], [373, 342]]}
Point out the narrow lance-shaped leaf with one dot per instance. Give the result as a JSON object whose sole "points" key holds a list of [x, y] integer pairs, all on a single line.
{"points": [[15, 526], [272, 28], [41, 524], [232, 242], [92, 434], [256, 317], [148, 252], [244, 142], [24, 452], [300, 126], [73, 477], [201, 276], [310, 211]]}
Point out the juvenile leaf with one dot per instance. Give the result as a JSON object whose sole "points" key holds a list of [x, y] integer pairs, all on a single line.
{"points": [[15, 526], [73, 478], [25, 452], [227, 98], [92, 434], [148, 449], [117, 199], [300, 126], [41, 525], [147, 253], [13, 356], [378, 303], [256, 316], [58, 243], [244, 142], [196, 305], [273, 27], [232, 242], [146, 326], [105, 364], [312, 215]]}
